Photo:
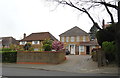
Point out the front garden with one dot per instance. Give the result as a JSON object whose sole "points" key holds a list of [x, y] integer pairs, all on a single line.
{"points": [[52, 53]]}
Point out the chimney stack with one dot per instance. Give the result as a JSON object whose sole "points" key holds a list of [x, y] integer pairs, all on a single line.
{"points": [[24, 35]]}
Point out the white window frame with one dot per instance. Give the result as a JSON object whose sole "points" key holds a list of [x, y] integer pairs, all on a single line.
{"points": [[62, 39], [72, 39], [81, 49], [34, 42], [84, 38], [23, 42], [67, 39], [78, 39]]}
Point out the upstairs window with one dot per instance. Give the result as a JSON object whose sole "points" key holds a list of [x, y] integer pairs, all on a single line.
{"points": [[72, 39], [35, 42], [67, 39], [23, 42], [78, 38], [84, 38], [62, 39]]}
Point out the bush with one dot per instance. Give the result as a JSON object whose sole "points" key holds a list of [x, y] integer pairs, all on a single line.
{"points": [[94, 56], [107, 34], [57, 45], [14, 47], [109, 49], [9, 57], [6, 49], [27, 46], [47, 45]]}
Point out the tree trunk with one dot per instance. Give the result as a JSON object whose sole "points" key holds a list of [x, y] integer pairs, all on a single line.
{"points": [[118, 36]]}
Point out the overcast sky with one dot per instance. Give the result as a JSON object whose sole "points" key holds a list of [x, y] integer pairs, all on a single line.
{"points": [[29, 16]]}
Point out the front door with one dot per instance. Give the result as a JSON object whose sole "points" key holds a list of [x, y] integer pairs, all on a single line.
{"points": [[72, 49], [87, 49]]}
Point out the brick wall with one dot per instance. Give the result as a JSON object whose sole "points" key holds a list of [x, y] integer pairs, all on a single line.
{"points": [[41, 57]]}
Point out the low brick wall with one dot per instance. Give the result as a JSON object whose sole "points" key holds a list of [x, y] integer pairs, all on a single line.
{"points": [[40, 57]]}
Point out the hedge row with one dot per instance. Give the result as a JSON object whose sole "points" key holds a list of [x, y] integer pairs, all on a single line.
{"points": [[9, 57]]}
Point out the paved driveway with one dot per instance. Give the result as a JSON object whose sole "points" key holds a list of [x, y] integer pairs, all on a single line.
{"points": [[74, 63]]}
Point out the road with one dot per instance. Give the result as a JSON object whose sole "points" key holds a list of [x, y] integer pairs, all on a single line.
{"points": [[11, 71]]}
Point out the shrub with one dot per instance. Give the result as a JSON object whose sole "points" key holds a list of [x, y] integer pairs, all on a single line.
{"points": [[109, 49], [107, 34], [31, 49], [6, 49], [47, 45], [27, 46], [57, 45], [14, 47], [9, 57]]}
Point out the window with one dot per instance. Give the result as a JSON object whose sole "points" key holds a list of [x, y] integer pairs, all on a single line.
{"points": [[35, 42], [78, 38], [81, 48], [62, 39], [84, 38], [72, 39], [36, 49], [67, 39], [23, 42]]}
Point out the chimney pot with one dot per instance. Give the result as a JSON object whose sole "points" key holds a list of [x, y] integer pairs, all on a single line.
{"points": [[24, 35]]}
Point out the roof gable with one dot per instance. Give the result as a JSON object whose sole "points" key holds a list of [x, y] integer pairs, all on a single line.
{"points": [[75, 31], [39, 36], [8, 40]]}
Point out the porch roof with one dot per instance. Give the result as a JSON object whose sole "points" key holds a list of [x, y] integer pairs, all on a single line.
{"points": [[90, 43]]}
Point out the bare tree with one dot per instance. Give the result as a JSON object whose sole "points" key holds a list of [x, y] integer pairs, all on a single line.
{"points": [[85, 5]]}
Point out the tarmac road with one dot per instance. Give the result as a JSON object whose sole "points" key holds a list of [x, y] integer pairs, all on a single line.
{"points": [[12, 71]]}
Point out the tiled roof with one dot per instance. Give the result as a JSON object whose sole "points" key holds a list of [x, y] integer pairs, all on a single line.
{"points": [[8, 40], [39, 36], [75, 31]]}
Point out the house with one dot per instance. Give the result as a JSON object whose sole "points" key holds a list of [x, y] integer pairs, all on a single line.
{"points": [[7, 41], [36, 39], [0, 42], [78, 41]]}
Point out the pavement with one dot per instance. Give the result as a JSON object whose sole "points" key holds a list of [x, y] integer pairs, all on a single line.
{"points": [[74, 63]]}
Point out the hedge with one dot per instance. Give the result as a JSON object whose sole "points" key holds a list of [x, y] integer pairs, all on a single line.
{"points": [[9, 57]]}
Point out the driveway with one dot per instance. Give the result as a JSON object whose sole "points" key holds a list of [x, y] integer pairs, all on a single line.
{"points": [[74, 63]]}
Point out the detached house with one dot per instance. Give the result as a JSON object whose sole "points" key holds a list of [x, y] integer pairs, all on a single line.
{"points": [[36, 39], [7, 41], [78, 41]]}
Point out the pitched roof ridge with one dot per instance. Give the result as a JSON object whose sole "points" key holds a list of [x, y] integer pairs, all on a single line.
{"points": [[72, 29], [81, 29], [7, 37], [39, 32]]}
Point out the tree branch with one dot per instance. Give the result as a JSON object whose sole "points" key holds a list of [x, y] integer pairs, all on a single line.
{"points": [[111, 16], [107, 4], [83, 10]]}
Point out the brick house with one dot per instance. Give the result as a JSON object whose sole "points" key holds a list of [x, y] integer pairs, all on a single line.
{"points": [[36, 39], [78, 41], [7, 41]]}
